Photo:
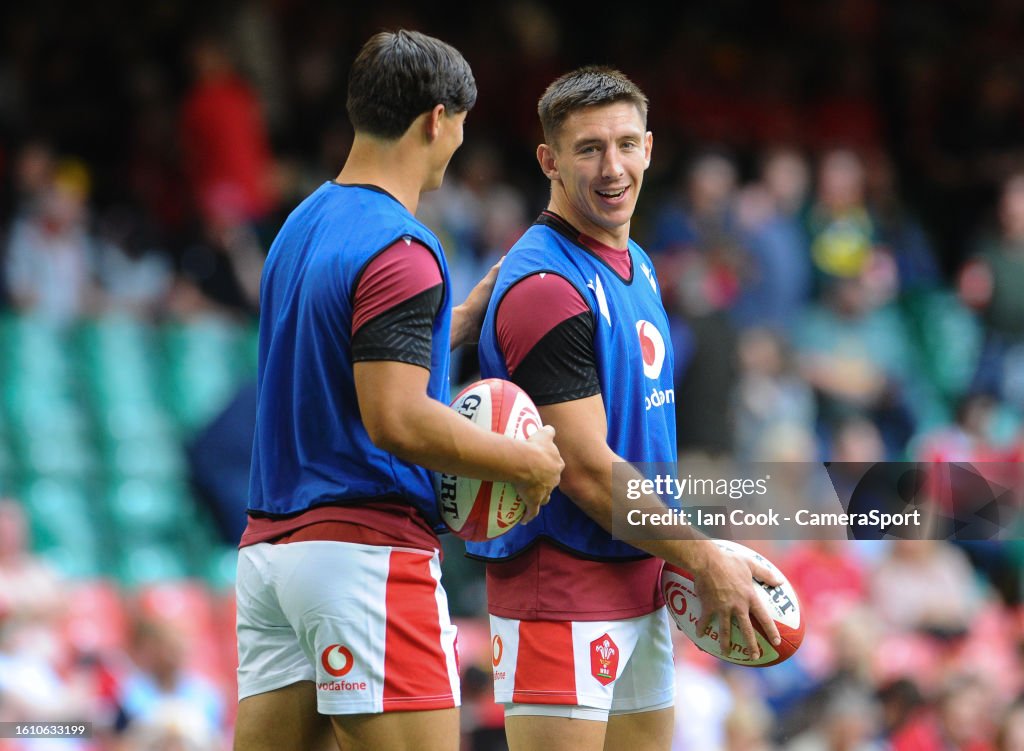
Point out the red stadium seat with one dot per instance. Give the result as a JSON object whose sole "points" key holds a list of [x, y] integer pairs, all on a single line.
{"points": [[96, 620]]}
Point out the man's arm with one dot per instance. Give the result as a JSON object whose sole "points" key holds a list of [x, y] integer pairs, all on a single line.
{"points": [[468, 317], [402, 419], [394, 307], [546, 334], [722, 580]]}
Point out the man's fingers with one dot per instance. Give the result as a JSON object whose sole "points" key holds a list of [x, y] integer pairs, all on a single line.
{"points": [[717, 618], [703, 622], [749, 636], [760, 611], [764, 574], [725, 633]]}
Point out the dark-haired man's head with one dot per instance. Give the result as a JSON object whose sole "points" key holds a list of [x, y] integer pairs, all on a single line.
{"points": [[399, 75]]}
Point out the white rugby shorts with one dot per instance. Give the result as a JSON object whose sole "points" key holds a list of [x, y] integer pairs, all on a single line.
{"points": [[368, 624], [583, 669]]}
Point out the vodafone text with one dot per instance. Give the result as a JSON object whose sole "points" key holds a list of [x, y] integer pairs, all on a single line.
{"points": [[659, 398], [341, 686]]}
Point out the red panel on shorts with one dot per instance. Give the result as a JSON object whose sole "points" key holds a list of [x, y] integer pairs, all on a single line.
{"points": [[545, 672], [415, 668]]}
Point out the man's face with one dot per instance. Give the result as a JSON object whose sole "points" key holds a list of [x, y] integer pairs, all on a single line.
{"points": [[448, 140], [597, 166]]}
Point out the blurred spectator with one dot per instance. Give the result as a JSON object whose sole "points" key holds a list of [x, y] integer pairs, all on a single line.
{"points": [[225, 147], [993, 284], [900, 701], [775, 277], [698, 253], [769, 394], [696, 235], [482, 721], [838, 710], [173, 726], [1010, 736], [481, 215], [703, 702], [160, 676], [973, 437], [135, 274], [926, 586], [219, 274], [848, 722], [38, 681], [747, 727], [30, 591], [33, 168], [898, 233], [828, 575], [856, 355], [962, 720], [842, 234], [49, 262]]}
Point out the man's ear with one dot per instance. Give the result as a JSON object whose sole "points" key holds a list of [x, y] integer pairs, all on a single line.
{"points": [[432, 124], [547, 161]]}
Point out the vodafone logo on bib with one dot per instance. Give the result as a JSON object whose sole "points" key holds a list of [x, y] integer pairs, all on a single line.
{"points": [[652, 346], [337, 660]]}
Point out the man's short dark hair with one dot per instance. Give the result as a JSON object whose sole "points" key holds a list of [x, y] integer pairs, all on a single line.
{"points": [[399, 75], [591, 86]]}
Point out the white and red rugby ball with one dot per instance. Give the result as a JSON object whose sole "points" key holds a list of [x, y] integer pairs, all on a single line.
{"points": [[480, 509], [685, 608]]}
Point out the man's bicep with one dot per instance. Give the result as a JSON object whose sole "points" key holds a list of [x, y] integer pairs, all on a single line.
{"points": [[379, 384], [581, 436], [395, 303]]}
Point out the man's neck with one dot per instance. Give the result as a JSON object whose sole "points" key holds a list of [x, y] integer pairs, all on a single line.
{"points": [[385, 165]]}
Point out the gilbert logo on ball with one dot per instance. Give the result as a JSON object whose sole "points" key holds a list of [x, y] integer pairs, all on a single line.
{"points": [[481, 509], [684, 606]]}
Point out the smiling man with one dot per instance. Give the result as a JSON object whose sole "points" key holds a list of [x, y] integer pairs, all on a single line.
{"points": [[581, 644]]}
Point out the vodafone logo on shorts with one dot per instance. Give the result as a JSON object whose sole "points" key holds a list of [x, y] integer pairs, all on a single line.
{"points": [[652, 346], [497, 648], [337, 660]]}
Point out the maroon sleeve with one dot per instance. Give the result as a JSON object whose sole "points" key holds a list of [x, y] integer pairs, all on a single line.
{"points": [[396, 300], [397, 273], [546, 333]]}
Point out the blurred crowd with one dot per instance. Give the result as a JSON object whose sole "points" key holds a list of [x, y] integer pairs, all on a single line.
{"points": [[836, 213]]}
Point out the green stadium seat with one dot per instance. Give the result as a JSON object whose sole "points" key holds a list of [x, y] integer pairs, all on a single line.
{"points": [[65, 526], [143, 563], [221, 565], [148, 510], [949, 338], [205, 368], [157, 457]]}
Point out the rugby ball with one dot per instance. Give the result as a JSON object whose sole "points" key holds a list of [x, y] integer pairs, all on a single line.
{"points": [[481, 510], [685, 608]]}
